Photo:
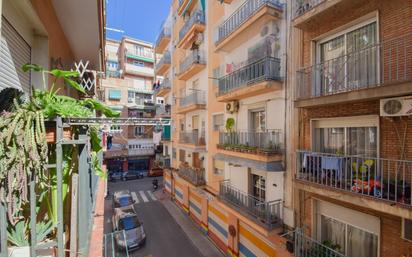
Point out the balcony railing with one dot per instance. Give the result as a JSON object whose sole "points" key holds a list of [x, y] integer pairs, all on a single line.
{"points": [[166, 59], [164, 161], [241, 15], [382, 63], [300, 7], [194, 57], [267, 68], [165, 33], [305, 246], [268, 142], [194, 175], [194, 138], [163, 110], [166, 84], [143, 54], [267, 213], [378, 178], [195, 97], [197, 17]]}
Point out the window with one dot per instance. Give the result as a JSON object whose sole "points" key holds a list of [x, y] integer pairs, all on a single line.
{"points": [[182, 155], [218, 167], [407, 229], [112, 64], [174, 153], [259, 187], [138, 63], [115, 129], [218, 122], [344, 66], [139, 50], [131, 96], [346, 136], [138, 131], [258, 120], [115, 94]]}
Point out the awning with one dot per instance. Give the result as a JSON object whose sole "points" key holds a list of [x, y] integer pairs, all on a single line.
{"points": [[139, 58], [259, 165]]}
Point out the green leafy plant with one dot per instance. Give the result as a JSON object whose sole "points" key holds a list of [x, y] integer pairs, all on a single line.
{"points": [[230, 123], [19, 235]]}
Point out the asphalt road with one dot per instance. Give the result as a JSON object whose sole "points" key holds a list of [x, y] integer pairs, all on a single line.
{"points": [[164, 237]]}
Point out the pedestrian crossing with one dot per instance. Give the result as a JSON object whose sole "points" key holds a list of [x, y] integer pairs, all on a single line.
{"points": [[143, 196]]}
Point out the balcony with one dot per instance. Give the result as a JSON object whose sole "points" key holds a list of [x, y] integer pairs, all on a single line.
{"points": [[267, 214], [185, 5], [191, 65], [163, 39], [260, 145], [189, 32], [375, 178], [193, 138], [305, 246], [163, 110], [146, 56], [163, 88], [246, 22], [139, 70], [196, 100], [164, 161], [164, 64], [196, 176], [358, 75], [258, 77], [141, 152]]}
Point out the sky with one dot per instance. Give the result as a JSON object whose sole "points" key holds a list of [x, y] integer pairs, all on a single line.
{"points": [[139, 19]]}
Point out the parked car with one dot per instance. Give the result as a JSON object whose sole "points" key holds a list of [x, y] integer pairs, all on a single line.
{"points": [[155, 172], [115, 175], [122, 199], [132, 174], [128, 229]]}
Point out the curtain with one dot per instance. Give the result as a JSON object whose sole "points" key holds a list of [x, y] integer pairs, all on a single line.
{"points": [[361, 243], [330, 140], [362, 141], [334, 232]]}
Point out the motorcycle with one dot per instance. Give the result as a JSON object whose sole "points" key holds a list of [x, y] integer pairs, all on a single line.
{"points": [[155, 183]]}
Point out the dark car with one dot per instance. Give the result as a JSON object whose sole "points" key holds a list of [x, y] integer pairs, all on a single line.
{"points": [[132, 174], [128, 230], [115, 175], [122, 199]]}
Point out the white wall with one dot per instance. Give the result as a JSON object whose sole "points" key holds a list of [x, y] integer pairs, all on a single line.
{"points": [[238, 176]]}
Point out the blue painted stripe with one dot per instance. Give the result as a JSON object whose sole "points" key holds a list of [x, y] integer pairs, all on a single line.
{"points": [[167, 184], [194, 207], [218, 227], [245, 251], [180, 195]]}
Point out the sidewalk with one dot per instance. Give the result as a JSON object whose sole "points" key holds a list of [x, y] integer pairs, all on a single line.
{"points": [[200, 240]]}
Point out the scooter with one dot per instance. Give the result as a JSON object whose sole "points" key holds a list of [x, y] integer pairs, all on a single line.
{"points": [[155, 183]]}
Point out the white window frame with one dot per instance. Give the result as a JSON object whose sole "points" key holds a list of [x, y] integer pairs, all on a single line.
{"points": [[346, 122]]}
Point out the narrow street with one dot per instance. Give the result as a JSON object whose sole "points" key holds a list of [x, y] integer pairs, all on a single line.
{"points": [[165, 238]]}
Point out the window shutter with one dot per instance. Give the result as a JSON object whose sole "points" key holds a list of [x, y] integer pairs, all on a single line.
{"points": [[14, 53]]}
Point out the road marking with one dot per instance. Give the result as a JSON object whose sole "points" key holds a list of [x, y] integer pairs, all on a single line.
{"points": [[143, 196], [152, 196], [135, 199]]}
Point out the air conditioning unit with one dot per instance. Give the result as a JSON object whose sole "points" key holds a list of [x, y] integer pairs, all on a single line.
{"points": [[399, 106], [232, 106]]}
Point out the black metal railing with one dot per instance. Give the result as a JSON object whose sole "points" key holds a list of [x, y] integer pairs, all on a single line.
{"points": [[195, 97], [267, 68], [382, 63], [165, 33], [241, 15], [166, 59], [166, 84], [269, 141], [163, 110], [197, 17], [194, 175], [300, 7], [378, 178], [194, 57], [194, 137], [305, 246], [267, 213]]}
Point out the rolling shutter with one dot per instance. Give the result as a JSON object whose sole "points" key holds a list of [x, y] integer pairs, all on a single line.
{"points": [[14, 52]]}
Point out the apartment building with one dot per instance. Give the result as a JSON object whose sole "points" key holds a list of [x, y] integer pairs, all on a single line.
{"points": [[51, 34], [128, 88], [350, 76]]}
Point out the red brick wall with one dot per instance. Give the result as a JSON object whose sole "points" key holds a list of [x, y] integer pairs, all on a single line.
{"points": [[391, 243]]}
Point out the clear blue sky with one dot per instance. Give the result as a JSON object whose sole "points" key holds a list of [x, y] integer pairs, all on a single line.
{"points": [[139, 19]]}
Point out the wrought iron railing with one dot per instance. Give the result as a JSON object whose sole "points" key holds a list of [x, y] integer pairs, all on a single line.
{"points": [[166, 84], [267, 68], [378, 178], [305, 246], [194, 175], [163, 110], [166, 59], [193, 137], [382, 63], [269, 141], [267, 213], [197, 17], [300, 7], [165, 33], [195, 97], [241, 15], [194, 57]]}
